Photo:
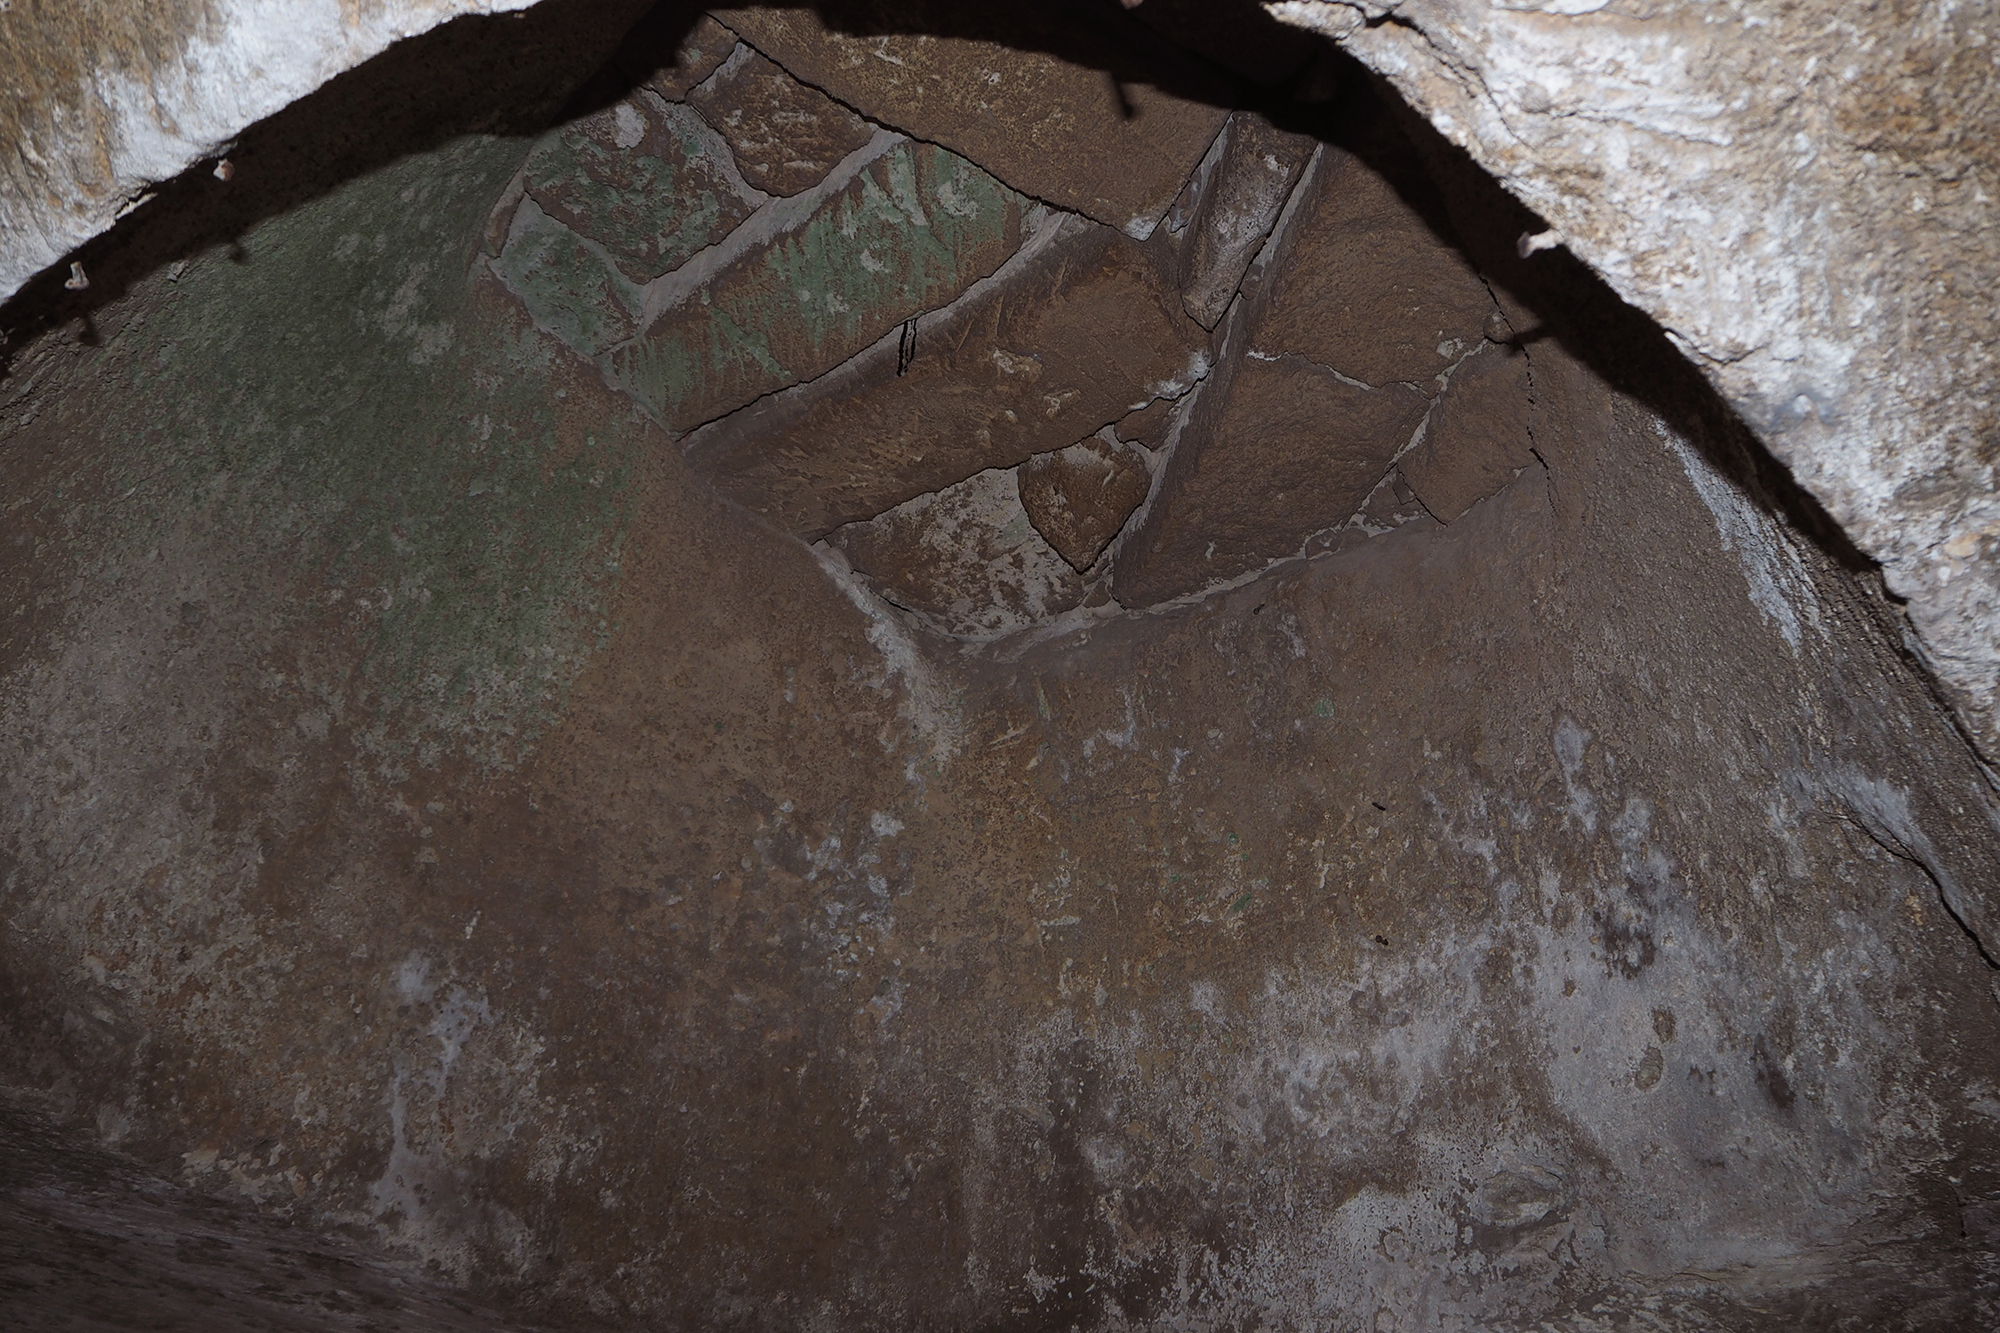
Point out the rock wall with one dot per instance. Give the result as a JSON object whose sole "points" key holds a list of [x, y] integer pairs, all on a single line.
{"points": [[1232, 754], [1803, 197]]}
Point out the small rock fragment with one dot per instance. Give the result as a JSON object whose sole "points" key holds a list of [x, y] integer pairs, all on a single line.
{"points": [[786, 136], [1078, 498], [1241, 200], [1477, 439], [1392, 504], [1151, 426], [966, 559]]}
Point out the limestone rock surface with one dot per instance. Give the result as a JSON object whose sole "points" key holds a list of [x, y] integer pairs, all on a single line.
{"points": [[1570, 916], [1477, 437], [1273, 451], [106, 101], [646, 181], [1807, 196], [1239, 202], [812, 280], [1368, 286]]}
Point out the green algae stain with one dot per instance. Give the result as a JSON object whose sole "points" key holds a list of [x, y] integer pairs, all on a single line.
{"points": [[569, 284], [650, 206], [353, 444], [911, 231]]}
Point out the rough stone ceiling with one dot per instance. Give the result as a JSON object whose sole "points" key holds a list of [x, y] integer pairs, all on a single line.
{"points": [[773, 701], [1804, 196]]}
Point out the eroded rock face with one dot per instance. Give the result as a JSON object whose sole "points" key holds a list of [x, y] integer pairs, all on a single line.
{"points": [[1368, 287], [1275, 451], [1816, 226], [968, 559], [787, 137], [110, 101], [1712, 170], [1240, 197], [1478, 437]]}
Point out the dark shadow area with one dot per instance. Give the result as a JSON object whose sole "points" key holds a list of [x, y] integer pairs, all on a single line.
{"points": [[92, 1242]]}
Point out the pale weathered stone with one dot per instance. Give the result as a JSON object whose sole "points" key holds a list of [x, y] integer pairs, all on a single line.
{"points": [[1368, 288], [1076, 331], [645, 179], [967, 559], [104, 101], [695, 56], [1089, 133], [1237, 206], [1477, 437], [1808, 197], [786, 136], [1273, 451], [903, 227], [1078, 498]]}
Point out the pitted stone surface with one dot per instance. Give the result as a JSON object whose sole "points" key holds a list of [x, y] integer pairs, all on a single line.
{"points": [[1808, 196], [108, 100], [648, 181], [1477, 437], [786, 136], [1569, 916], [1151, 427], [810, 281], [967, 559], [1273, 451], [1092, 134], [1368, 287]]}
